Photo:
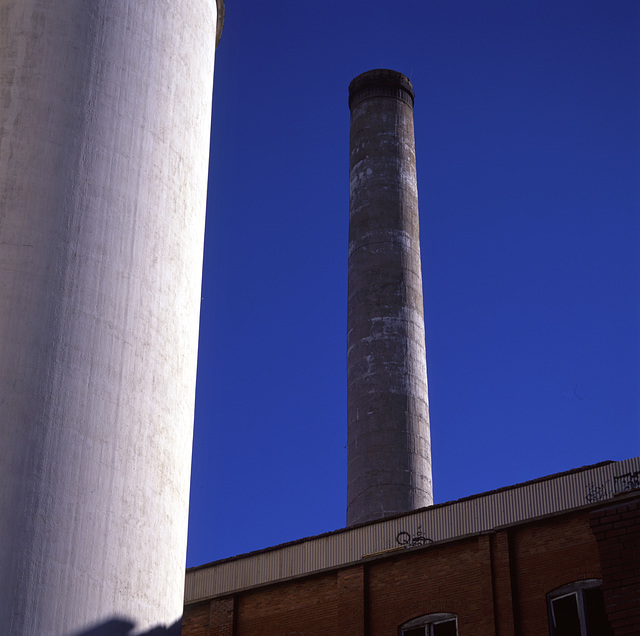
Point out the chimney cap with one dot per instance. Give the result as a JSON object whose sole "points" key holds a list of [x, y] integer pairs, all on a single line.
{"points": [[220, 20], [381, 82]]}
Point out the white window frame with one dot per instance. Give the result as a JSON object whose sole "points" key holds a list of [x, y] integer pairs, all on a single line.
{"points": [[427, 621], [576, 589]]}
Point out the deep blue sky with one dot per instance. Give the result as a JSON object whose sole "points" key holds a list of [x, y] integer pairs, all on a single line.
{"points": [[527, 122]]}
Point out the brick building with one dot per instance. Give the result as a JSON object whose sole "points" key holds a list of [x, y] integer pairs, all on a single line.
{"points": [[559, 555]]}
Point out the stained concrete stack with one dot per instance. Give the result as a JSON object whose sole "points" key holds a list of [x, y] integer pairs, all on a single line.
{"points": [[389, 457]]}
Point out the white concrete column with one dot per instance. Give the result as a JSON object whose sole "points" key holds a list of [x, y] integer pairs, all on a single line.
{"points": [[105, 110]]}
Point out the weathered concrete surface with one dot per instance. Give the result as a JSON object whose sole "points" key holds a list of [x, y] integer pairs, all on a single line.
{"points": [[105, 110], [389, 457]]}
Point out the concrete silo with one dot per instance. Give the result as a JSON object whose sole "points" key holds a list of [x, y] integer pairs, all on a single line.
{"points": [[389, 455], [105, 112]]}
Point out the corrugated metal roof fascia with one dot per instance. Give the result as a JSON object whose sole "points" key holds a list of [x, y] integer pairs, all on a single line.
{"points": [[438, 505], [468, 516]]}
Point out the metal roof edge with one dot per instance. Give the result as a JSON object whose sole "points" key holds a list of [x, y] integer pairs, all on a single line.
{"points": [[401, 514], [552, 495]]}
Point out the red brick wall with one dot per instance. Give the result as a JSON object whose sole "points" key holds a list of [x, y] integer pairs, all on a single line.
{"points": [[547, 554], [496, 583], [446, 578], [617, 530], [209, 618], [352, 600], [195, 619], [308, 607]]}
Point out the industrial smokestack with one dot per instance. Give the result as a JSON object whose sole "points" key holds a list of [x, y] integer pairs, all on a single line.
{"points": [[104, 143], [389, 456]]}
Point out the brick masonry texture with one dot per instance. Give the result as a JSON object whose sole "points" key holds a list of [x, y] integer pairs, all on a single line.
{"points": [[496, 583], [617, 529]]}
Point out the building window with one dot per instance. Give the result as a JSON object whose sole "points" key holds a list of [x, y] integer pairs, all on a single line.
{"points": [[431, 625], [578, 609]]}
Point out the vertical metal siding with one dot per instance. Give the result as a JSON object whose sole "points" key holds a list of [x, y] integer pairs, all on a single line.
{"points": [[469, 516]]}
